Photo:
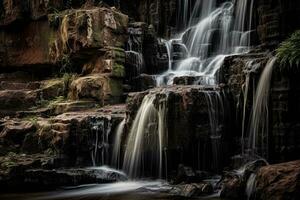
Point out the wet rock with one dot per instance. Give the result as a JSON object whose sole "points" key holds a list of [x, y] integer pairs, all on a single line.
{"points": [[280, 181], [144, 82], [47, 179], [187, 122], [192, 190], [73, 135], [185, 80], [43, 171], [234, 183], [13, 167], [186, 174]]}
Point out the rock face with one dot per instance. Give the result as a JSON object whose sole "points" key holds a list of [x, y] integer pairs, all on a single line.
{"points": [[279, 181], [161, 14], [277, 19], [58, 73]]}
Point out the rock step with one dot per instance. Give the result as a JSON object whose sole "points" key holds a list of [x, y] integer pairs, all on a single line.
{"points": [[8, 85], [14, 99], [73, 106]]}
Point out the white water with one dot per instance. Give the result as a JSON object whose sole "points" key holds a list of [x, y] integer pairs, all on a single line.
{"points": [[216, 117], [259, 121], [211, 34], [116, 156], [144, 147], [108, 189], [250, 186], [100, 138]]}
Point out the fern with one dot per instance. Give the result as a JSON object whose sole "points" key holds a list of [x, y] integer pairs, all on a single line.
{"points": [[288, 52]]}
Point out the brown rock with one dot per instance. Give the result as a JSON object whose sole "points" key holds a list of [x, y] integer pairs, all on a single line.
{"points": [[98, 87], [82, 32], [279, 182]]}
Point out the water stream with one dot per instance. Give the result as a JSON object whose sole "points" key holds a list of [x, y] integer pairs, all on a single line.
{"points": [[116, 155], [208, 38], [144, 148]]}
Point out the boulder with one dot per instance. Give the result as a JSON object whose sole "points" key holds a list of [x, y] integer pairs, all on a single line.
{"points": [[82, 32], [279, 181], [100, 88]]}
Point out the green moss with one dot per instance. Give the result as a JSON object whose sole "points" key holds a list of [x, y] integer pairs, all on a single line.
{"points": [[118, 70], [288, 52], [116, 87], [67, 80]]}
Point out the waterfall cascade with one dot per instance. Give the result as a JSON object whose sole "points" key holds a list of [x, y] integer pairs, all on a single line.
{"points": [[144, 148], [259, 119], [211, 32], [216, 114], [116, 156], [209, 37]]}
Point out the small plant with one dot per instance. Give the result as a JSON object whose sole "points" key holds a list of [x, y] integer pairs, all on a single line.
{"points": [[66, 64], [288, 52], [33, 119], [67, 80]]}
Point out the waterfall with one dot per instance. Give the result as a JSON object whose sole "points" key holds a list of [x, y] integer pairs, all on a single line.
{"points": [[117, 145], [144, 147], [216, 113], [250, 186], [259, 119], [209, 37], [101, 129]]}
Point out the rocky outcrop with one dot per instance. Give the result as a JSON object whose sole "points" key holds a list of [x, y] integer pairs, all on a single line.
{"points": [[35, 173], [236, 184], [279, 181], [77, 35], [100, 88], [188, 123]]}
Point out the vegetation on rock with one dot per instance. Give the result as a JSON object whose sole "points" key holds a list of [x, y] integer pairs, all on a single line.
{"points": [[288, 52]]}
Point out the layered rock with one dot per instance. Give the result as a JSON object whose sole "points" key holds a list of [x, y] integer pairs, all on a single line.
{"points": [[191, 123], [277, 19], [279, 181]]}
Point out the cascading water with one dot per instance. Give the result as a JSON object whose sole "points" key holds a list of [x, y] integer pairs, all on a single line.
{"points": [[144, 149], [101, 129], [216, 117], [209, 37], [259, 121], [117, 145], [250, 186], [251, 66]]}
